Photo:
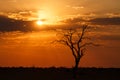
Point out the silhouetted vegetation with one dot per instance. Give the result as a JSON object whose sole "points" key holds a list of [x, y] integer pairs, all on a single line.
{"points": [[20, 73], [77, 42]]}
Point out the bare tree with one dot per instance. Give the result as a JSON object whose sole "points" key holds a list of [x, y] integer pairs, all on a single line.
{"points": [[75, 39]]}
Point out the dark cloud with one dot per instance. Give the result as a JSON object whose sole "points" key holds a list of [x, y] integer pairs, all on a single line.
{"points": [[110, 37], [105, 21], [95, 21], [8, 24], [73, 20]]}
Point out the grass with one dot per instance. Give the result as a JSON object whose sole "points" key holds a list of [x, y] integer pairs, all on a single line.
{"points": [[52, 73]]}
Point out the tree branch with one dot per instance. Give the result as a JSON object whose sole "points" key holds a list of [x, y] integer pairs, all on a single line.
{"points": [[82, 34]]}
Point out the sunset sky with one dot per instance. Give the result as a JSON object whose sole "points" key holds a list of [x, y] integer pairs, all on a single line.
{"points": [[26, 32]]}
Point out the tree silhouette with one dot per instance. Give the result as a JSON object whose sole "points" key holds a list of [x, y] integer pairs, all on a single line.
{"points": [[76, 40]]}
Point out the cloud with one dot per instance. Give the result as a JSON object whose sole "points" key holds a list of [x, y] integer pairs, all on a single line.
{"points": [[25, 13], [94, 21], [113, 14], [105, 21], [78, 7], [75, 7], [21, 15], [9, 24], [73, 20], [110, 37]]}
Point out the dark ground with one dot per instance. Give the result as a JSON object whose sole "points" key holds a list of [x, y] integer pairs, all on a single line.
{"points": [[52, 73]]}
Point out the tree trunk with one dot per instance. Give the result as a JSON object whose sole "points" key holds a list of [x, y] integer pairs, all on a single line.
{"points": [[75, 68]]}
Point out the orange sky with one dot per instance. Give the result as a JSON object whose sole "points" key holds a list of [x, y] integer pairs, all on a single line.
{"points": [[34, 48]]}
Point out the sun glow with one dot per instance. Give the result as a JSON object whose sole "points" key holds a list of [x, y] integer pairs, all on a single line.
{"points": [[39, 22], [47, 16]]}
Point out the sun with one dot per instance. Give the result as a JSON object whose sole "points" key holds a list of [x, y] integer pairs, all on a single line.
{"points": [[39, 22]]}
